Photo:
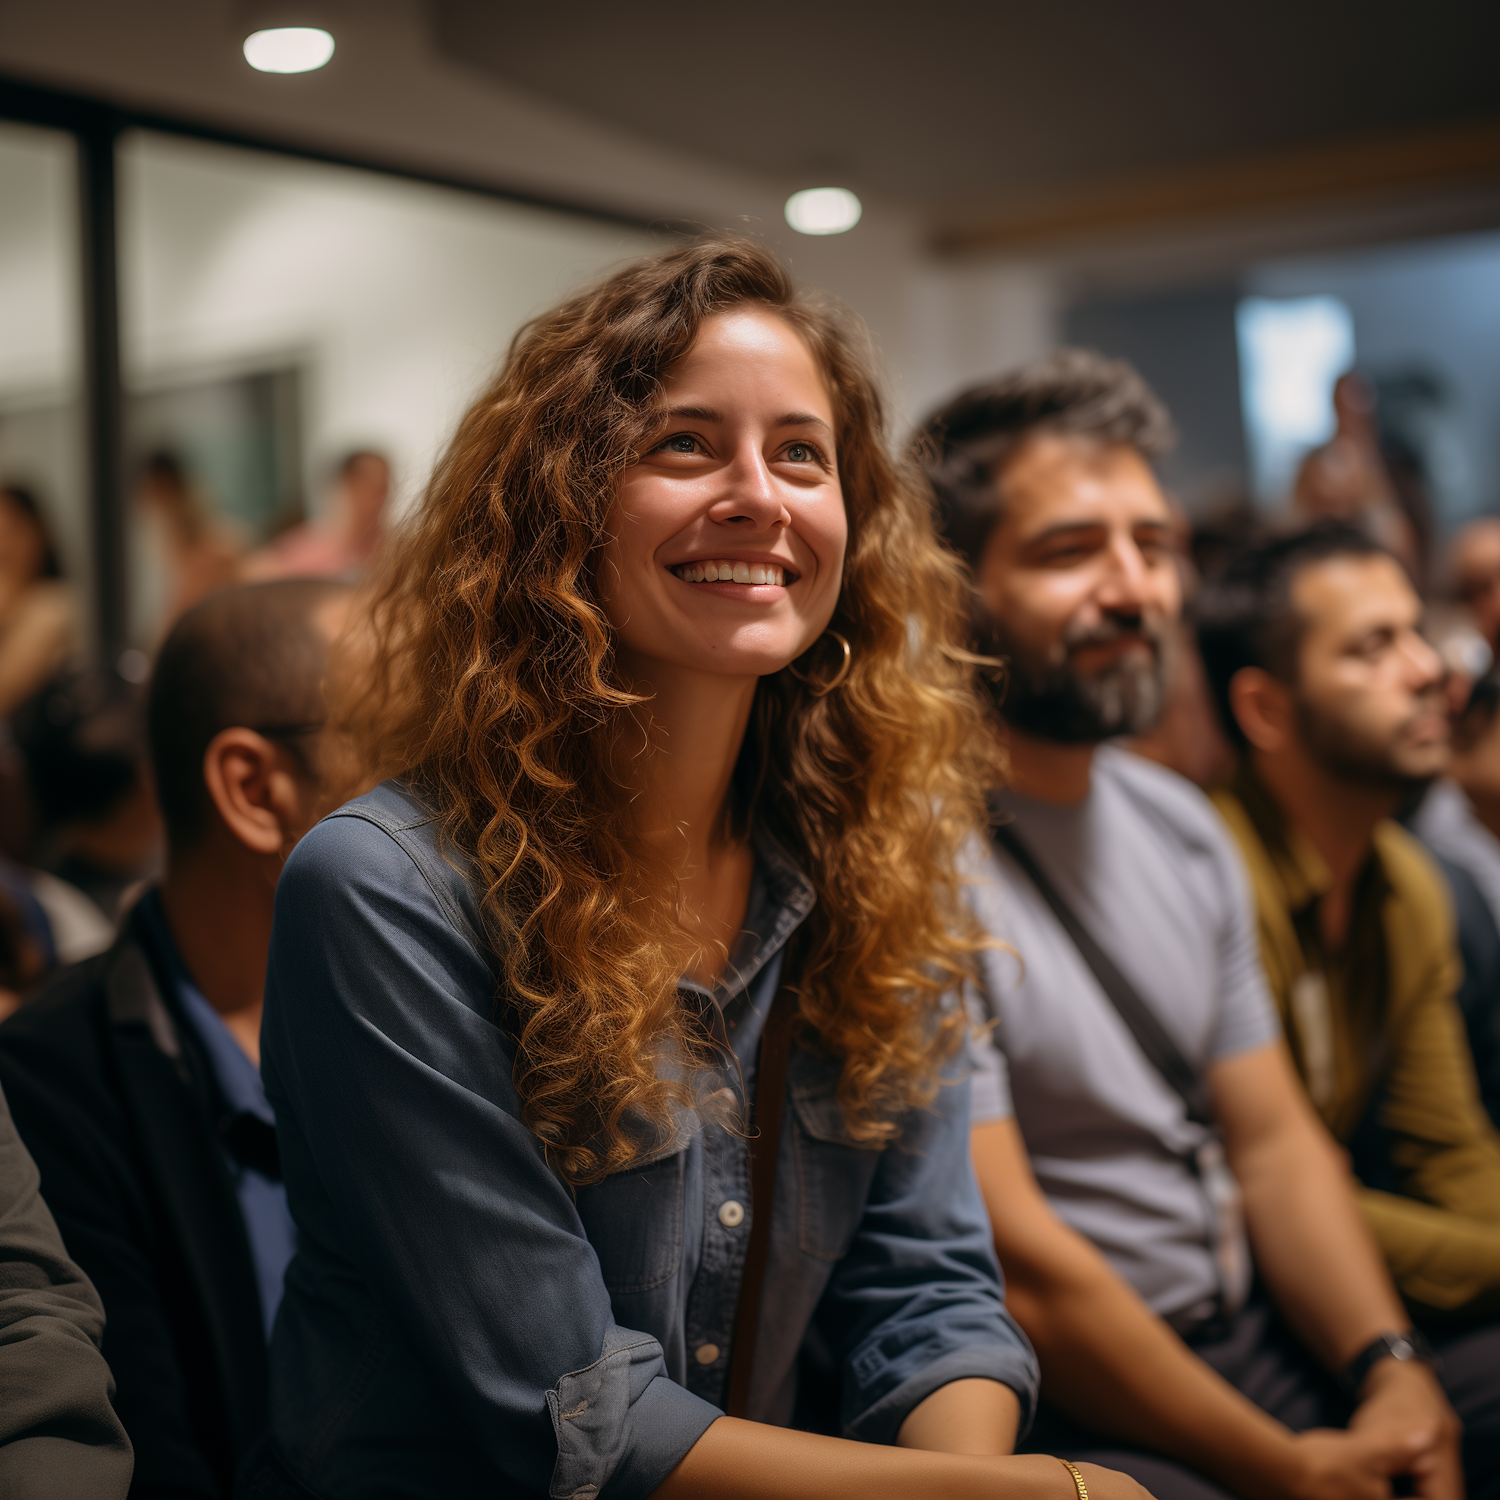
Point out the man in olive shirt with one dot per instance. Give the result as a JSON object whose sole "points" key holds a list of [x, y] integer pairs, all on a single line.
{"points": [[1312, 649]]}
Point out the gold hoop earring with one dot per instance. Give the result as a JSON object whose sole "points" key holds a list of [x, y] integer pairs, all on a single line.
{"points": [[838, 677]]}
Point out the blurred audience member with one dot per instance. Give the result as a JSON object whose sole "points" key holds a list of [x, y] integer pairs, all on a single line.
{"points": [[1186, 737], [1458, 818], [59, 1436], [135, 1078], [1134, 1051], [1346, 479], [189, 552], [343, 542], [1474, 565], [1313, 651], [26, 952], [38, 618], [82, 742], [1466, 655]]}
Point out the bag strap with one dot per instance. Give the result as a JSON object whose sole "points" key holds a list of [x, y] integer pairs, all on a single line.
{"points": [[1150, 1035], [765, 1142]]}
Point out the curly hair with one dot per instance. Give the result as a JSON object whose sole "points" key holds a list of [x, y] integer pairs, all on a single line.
{"points": [[491, 687]]}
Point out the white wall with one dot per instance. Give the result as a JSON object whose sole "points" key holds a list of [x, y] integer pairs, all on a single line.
{"points": [[396, 299]]}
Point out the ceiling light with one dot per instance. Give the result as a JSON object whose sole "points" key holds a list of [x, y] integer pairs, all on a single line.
{"points": [[288, 49], [823, 211]]}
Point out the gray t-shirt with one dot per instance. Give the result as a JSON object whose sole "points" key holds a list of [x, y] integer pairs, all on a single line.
{"points": [[1147, 866]]}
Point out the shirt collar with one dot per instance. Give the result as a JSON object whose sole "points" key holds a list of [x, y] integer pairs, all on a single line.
{"points": [[781, 897], [237, 1077]]}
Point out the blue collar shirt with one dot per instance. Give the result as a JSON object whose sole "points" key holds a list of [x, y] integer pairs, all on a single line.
{"points": [[262, 1199]]}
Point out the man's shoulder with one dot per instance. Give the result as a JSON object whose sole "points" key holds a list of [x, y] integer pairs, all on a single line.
{"points": [[59, 1069], [1165, 798], [1416, 880], [63, 1023]]}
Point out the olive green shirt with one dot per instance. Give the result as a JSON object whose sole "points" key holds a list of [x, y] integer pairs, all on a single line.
{"points": [[1381, 1013]]}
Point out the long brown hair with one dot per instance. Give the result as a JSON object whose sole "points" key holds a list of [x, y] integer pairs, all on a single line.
{"points": [[494, 691]]}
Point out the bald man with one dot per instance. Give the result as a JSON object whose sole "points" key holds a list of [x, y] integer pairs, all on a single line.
{"points": [[1475, 565], [134, 1078]]}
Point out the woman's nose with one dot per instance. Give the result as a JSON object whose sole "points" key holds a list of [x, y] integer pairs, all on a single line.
{"points": [[750, 494]]}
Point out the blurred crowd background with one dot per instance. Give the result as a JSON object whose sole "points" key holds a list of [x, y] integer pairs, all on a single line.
{"points": [[239, 312]]}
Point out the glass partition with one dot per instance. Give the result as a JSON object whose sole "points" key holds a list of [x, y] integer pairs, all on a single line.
{"points": [[42, 450], [279, 316]]}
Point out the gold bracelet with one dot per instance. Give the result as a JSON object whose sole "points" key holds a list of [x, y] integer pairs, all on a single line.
{"points": [[1083, 1489]]}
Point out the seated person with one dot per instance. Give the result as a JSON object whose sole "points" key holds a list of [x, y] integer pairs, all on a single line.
{"points": [[1474, 568], [1458, 818], [134, 1077], [1182, 1246], [1314, 656], [59, 1435], [38, 616], [82, 742], [681, 760]]}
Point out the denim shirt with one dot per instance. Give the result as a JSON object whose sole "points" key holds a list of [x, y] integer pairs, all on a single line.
{"points": [[457, 1322]]}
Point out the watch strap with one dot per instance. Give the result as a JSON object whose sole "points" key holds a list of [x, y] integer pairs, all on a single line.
{"points": [[1404, 1346]]}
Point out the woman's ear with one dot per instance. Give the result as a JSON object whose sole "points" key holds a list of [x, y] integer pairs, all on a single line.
{"points": [[255, 794], [1263, 709]]}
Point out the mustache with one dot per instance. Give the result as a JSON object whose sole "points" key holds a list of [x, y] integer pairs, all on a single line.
{"points": [[1077, 635]]}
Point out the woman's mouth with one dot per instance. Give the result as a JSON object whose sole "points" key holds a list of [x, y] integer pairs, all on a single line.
{"points": [[731, 572]]}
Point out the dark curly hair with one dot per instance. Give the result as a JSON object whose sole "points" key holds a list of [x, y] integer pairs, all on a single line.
{"points": [[1076, 392]]}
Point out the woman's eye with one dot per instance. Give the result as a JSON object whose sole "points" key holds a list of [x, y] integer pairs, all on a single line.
{"points": [[681, 442], [802, 453]]}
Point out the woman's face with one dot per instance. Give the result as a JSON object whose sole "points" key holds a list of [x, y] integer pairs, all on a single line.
{"points": [[728, 534]]}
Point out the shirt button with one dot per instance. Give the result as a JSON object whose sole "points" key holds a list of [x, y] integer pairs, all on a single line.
{"points": [[706, 1353], [731, 1214]]}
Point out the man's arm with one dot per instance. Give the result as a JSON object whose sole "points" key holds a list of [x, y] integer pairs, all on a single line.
{"points": [[1318, 1259], [1442, 1243], [87, 1183], [59, 1435], [1112, 1364]]}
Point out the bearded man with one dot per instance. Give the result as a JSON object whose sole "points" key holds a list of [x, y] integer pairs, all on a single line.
{"points": [[1179, 1232], [1313, 653]]}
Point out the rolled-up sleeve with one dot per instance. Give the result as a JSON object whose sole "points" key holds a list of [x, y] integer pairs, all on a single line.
{"points": [[917, 1302], [403, 1144]]}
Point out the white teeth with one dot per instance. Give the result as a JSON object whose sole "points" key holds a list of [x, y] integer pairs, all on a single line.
{"points": [[730, 572]]}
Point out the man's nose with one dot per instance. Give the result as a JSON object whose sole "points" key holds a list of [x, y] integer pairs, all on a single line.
{"points": [[1424, 666], [1126, 586], [750, 493]]}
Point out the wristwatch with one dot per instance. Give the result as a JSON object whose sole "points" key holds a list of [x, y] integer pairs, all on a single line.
{"points": [[1408, 1345]]}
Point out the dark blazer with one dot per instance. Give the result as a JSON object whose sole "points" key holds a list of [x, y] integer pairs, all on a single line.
{"points": [[114, 1098], [59, 1435]]}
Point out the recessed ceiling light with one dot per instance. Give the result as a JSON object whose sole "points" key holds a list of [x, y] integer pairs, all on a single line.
{"points": [[288, 49], [823, 210]]}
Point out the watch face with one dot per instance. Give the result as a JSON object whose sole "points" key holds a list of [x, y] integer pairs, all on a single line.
{"points": [[1403, 1349]]}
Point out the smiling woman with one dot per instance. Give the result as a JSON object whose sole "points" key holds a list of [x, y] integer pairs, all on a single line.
{"points": [[652, 871]]}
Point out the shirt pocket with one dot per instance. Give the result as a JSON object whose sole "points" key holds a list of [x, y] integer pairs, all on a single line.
{"points": [[633, 1220], [834, 1172]]}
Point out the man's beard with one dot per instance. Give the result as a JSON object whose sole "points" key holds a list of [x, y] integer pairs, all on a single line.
{"points": [[1049, 697], [1342, 749]]}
